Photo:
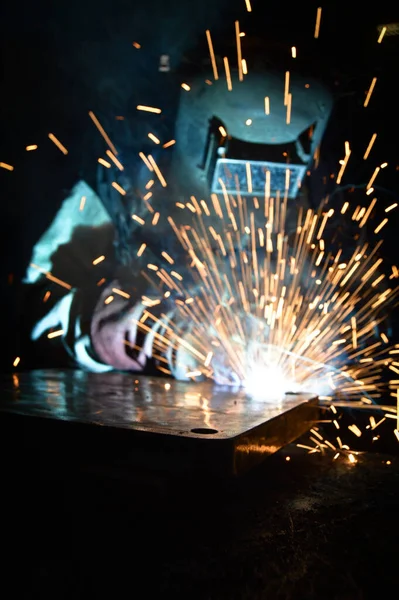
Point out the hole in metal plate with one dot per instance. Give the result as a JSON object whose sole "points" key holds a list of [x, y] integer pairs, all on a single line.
{"points": [[204, 430]]}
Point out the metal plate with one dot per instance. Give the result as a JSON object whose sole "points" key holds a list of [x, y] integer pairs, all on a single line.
{"points": [[241, 429]]}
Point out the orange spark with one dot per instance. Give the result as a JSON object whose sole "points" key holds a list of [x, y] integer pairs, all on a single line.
{"points": [[370, 91], [57, 142], [114, 160], [373, 137], [154, 138], [104, 163], [102, 131], [228, 76], [6, 166], [318, 20], [157, 171], [55, 334], [97, 261], [150, 109], [118, 188], [212, 55]]}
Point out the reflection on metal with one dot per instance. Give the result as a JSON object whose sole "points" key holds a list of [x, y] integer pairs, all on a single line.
{"points": [[218, 429], [234, 174]]}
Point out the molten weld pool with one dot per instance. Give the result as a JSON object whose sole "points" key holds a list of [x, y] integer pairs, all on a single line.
{"points": [[158, 422]]}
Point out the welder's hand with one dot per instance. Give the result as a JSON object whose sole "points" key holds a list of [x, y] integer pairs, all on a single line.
{"points": [[114, 329]]}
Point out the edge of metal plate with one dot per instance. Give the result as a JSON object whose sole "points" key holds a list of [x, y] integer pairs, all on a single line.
{"points": [[163, 444]]}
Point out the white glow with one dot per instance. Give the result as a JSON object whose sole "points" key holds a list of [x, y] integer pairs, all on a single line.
{"points": [[268, 383]]}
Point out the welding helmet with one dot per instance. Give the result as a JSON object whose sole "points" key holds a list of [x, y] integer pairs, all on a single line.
{"points": [[271, 121]]}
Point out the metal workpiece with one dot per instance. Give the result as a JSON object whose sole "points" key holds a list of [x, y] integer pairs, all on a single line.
{"points": [[160, 423]]}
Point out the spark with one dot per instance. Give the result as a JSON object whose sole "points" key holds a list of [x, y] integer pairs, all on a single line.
{"points": [[154, 138], [98, 260], [352, 459], [157, 171], [293, 52], [102, 132], [147, 196], [249, 177], [186, 87], [57, 142], [121, 293], [244, 66], [16, 362], [228, 76], [31, 147], [289, 102], [51, 277], [6, 166], [82, 202], [373, 138], [46, 296], [248, 122], [370, 91], [372, 179], [212, 55], [155, 218], [318, 20], [116, 162], [343, 167], [168, 144], [55, 334], [267, 105], [382, 33], [355, 429], [354, 332], [136, 45], [167, 386], [105, 163], [118, 188], [146, 161], [139, 220], [286, 87], [239, 53], [381, 225], [168, 258], [150, 109], [248, 5], [391, 207], [141, 249], [109, 299]]}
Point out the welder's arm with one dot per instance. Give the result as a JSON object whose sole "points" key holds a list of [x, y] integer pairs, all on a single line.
{"points": [[118, 333]]}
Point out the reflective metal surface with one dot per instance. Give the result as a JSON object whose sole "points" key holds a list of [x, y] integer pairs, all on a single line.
{"points": [[249, 428]]}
